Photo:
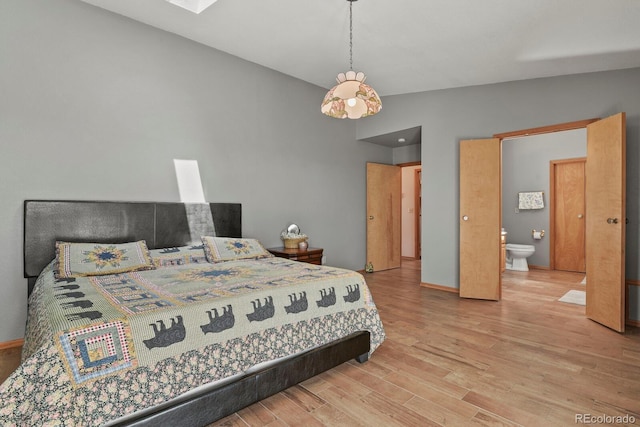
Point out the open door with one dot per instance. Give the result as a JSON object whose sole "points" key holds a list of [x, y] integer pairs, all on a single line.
{"points": [[480, 219], [384, 210], [605, 221]]}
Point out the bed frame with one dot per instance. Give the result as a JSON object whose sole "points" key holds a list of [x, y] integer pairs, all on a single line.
{"points": [[165, 225]]}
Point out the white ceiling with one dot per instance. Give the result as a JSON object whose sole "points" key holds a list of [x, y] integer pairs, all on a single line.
{"points": [[407, 46], [410, 45]]}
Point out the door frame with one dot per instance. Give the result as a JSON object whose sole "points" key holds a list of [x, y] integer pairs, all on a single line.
{"points": [[578, 125], [559, 127], [417, 196], [417, 186]]}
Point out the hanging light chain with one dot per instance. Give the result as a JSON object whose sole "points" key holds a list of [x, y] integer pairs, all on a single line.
{"points": [[351, 33]]}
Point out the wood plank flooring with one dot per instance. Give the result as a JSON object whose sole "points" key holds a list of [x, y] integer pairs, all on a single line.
{"points": [[526, 360], [9, 361]]}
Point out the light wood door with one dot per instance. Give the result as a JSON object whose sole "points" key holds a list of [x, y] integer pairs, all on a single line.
{"points": [[384, 210], [568, 216], [480, 219], [606, 206]]}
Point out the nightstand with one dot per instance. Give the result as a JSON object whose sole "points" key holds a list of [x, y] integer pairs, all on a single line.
{"points": [[311, 255]]}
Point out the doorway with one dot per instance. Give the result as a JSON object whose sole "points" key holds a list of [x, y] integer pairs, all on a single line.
{"points": [[411, 210], [526, 161], [605, 213], [393, 214]]}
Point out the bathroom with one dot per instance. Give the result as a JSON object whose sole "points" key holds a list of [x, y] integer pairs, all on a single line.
{"points": [[526, 168]]}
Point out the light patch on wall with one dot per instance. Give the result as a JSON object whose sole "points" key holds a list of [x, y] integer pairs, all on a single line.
{"points": [[189, 182], [192, 195]]}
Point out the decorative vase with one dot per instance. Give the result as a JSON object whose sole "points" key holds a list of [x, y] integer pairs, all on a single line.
{"points": [[303, 246]]}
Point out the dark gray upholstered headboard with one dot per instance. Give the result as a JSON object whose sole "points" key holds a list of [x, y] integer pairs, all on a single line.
{"points": [[162, 225]]}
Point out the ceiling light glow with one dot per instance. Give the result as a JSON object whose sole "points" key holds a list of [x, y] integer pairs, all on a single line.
{"points": [[195, 6]]}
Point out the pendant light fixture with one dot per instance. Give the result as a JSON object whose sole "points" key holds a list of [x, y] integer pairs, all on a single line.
{"points": [[351, 97]]}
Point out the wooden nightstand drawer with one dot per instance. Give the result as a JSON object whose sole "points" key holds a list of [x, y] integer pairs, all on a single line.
{"points": [[311, 255]]}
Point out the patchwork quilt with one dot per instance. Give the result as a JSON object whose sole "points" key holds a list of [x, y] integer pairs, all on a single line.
{"points": [[100, 347]]}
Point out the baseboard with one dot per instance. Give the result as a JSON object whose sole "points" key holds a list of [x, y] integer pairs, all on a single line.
{"points": [[11, 344], [440, 287], [628, 321], [632, 322]]}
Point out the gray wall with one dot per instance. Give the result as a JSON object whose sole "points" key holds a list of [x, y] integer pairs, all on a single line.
{"points": [[447, 116], [525, 167], [94, 106], [406, 154]]}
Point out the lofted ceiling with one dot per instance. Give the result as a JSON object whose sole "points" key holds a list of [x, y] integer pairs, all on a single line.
{"points": [[407, 46]]}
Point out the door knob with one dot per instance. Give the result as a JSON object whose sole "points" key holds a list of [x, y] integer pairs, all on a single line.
{"points": [[465, 218], [370, 217], [612, 220], [580, 216]]}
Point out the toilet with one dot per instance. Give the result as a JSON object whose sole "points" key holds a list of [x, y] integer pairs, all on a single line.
{"points": [[517, 256]]}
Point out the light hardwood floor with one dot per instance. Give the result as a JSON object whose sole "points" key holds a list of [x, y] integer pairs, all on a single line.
{"points": [[526, 360], [9, 361]]}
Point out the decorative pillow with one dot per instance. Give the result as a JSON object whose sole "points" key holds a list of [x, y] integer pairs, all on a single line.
{"points": [[219, 249], [96, 259], [169, 257]]}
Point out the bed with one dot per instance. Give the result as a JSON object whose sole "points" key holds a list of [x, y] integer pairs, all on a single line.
{"points": [[161, 313]]}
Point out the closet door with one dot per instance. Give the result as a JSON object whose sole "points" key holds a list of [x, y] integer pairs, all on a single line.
{"points": [[567, 182], [480, 219], [606, 212]]}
